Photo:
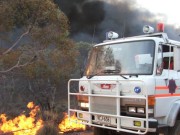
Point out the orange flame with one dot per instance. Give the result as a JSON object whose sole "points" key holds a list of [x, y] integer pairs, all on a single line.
{"points": [[22, 125], [71, 124], [29, 125]]}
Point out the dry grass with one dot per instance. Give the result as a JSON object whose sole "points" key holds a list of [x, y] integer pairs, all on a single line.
{"points": [[48, 129], [50, 126]]}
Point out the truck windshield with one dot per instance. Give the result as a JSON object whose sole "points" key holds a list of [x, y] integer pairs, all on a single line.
{"points": [[128, 58]]}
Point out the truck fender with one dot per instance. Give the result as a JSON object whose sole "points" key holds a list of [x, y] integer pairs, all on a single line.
{"points": [[175, 110]]}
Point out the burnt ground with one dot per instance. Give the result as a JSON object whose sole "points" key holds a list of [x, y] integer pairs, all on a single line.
{"points": [[88, 133]]}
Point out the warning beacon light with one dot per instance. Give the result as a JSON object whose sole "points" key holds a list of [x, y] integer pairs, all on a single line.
{"points": [[111, 35], [148, 29], [160, 27]]}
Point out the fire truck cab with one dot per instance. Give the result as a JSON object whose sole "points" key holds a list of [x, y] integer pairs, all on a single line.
{"points": [[130, 85]]}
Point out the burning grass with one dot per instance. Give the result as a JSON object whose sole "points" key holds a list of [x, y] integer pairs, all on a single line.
{"points": [[32, 125], [71, 124], [22, 124]]}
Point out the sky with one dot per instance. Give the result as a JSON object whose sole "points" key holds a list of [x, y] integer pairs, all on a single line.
{"points": [[171, 8]]}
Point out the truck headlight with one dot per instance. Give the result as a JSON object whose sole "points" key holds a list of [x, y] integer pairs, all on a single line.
{"points": [[132, 109], [84, 105], [140, 110]]}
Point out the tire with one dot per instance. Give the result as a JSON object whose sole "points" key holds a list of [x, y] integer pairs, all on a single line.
{"points": [[176, 129]]}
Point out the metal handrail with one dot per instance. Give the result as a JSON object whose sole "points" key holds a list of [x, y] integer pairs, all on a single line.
{"points": [[118, 114]]}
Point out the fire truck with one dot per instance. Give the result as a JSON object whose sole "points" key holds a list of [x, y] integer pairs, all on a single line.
{"points": [[130, 84]]}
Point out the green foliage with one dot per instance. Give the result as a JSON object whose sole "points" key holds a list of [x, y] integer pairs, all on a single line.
{"points": [[37, 33], [48, 33], [22, 13], [84, 49], [10, 59]]}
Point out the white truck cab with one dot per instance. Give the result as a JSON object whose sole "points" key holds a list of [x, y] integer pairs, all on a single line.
{"points": [[130, 85]]}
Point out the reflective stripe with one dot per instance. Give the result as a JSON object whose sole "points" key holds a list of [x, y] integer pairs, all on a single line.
{"points": [[167, 95], [163, 88]]}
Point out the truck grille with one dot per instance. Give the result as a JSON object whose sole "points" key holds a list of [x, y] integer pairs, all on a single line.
{"points": [[103, 105], [108, 105]]}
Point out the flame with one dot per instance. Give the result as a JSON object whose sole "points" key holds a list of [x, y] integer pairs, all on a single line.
{"points": [[71, 124], [29, 125], [22, 124], [30, 105]]}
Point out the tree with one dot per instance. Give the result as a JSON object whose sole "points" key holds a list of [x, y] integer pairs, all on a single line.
{"points": [[36, 53], [84, 50], [37, 24]]}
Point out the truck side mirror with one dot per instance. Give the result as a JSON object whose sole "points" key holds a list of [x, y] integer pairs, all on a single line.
{"points": [[159, 67]]}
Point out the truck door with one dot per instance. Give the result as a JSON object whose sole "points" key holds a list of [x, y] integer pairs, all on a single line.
{"points": [[166, 79]]}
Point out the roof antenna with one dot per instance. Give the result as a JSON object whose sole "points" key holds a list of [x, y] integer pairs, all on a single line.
{"points": [[93, 34], [124, 28]]}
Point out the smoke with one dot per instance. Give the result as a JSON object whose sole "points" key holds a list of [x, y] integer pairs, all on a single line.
{"points": [[91, 19]]}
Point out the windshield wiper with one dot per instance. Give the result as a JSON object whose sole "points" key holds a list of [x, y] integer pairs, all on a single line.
{"points": [[115, 71], [136, 75], [90, 76], [123, 76], [106, 72]]}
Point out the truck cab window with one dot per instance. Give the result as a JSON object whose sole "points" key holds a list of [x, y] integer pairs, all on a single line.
{"points": [[168, 57], [126, 58]]}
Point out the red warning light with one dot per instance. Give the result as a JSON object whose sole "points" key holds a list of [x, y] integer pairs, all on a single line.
{"points": [[160, 27]]}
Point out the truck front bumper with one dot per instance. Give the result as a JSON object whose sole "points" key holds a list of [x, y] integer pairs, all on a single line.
{"points": [[124, 123]]}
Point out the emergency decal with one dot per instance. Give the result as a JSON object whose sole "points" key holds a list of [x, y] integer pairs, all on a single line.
{"points": [[172, 86]]}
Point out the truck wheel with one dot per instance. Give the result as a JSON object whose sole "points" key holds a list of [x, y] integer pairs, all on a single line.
{"points": [[176, 129]]}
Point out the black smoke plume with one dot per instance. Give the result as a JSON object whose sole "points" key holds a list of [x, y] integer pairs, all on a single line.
{"points": [[91, 19]]}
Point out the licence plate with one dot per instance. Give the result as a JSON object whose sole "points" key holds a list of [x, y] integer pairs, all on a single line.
{"points": [[104, 119]]}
